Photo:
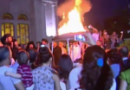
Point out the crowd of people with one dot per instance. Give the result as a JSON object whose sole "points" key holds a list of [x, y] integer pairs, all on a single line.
{"points": [[98, 65]]}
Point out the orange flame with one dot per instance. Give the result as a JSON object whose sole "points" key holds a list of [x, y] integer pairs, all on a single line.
{"points": [[74, 23]]}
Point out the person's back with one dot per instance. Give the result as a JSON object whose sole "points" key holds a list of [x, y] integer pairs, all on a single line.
{"points": [[5, 80], [43, 78]]}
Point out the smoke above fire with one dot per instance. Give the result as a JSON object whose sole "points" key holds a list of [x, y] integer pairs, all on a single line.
{"points": [[66, 7]]}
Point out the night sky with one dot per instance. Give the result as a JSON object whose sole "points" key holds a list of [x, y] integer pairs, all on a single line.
{"points": [[102, 9]]}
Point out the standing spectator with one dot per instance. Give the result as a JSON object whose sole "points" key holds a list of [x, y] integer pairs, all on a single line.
{"points": [[63, 49], [96, 73], [124, 52], [64, 67], [24, 70], [30, 45], [6, 82], [57, 52], [44, 77], [7, 40]]}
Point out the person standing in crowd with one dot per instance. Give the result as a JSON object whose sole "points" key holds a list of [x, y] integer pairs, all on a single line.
{"points": [[95, 33], [7, 40], [45, 42], [61, 45], [32, 58], [99, 43], [57, 52], [38, 46], [124, 52], [7, 82], [115, 41], [75, 52], [44, 77], [23, 70], [96, 74], [30, 45], [107, 41], [114, 59], [65, 65], [101, 38]]}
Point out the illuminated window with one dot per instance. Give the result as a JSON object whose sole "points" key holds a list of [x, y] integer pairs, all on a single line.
{"points": [[22, 33], [7, 28], [7, 16], [22, 17]]}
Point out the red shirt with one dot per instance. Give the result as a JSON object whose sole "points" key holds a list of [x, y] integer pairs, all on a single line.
{"points": [[26, 73]]}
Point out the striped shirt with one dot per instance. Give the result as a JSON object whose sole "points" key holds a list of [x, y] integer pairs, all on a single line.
{"points": [[26, 73]]}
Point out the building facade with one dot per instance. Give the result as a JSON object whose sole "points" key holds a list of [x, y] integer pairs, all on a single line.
{"points": [[28, 20]]}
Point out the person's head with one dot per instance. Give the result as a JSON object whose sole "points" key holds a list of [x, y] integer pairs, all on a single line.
{"points": [[96, 73], [124, 51], [30, 45], [22, 57], [99, 43], [61, 44], [32, 55], [5, 58], [45, 55], [44, 41], [114, 57], [114, 33], [54, 44], [100, 33], [65, 66], [6, 39], [38, 44], [15, 43]]}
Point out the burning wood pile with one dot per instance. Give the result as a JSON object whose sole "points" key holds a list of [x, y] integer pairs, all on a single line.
{"points": [[72, 12]]}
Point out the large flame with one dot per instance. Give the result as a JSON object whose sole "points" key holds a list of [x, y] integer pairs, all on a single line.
{"points": [[74, 23]]}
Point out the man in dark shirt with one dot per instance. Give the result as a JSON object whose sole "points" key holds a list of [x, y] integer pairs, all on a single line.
{"points": [[56, 52]]}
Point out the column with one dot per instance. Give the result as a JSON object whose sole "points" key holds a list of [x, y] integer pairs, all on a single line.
{"points": [[50, 17], [54, 18]]}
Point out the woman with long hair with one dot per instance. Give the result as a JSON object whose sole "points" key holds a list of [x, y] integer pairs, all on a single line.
{"points": [[96, 73], [30, 45], [44, 77]]}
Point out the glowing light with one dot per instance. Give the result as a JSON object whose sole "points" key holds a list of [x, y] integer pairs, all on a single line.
{"points": [[74, 23]]}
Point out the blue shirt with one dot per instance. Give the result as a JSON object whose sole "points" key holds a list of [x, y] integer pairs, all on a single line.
{"points": [[115, 69]]}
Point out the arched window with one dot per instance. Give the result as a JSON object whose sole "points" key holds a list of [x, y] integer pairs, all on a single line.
{"points": [[7, 28], [22, 33], [7, 16], [22, 17]]}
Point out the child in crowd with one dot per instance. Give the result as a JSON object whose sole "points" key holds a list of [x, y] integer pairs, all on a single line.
{"points": [[24, 71]]}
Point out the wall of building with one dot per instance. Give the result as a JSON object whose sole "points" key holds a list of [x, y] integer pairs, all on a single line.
{"points": [[15, 8], [45, 18], [40, 13]]}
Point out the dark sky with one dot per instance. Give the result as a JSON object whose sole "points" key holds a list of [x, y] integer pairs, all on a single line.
{"points": [[102, 9]]}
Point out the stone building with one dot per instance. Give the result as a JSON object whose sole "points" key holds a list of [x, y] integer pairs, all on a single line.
{"points": [[28, 20]]}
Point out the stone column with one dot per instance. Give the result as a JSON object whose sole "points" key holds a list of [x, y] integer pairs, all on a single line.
{"points": [[50, 17]]}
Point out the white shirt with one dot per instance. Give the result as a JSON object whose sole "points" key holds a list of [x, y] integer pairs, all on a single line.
{"points": [[64, 51], [95, 36], [76, 53], [75, 75], [62, 85], [6, 82]]}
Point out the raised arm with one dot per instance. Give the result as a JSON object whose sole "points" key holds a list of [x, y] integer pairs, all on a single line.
{"points": [[90, 39], [121, 36]]}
